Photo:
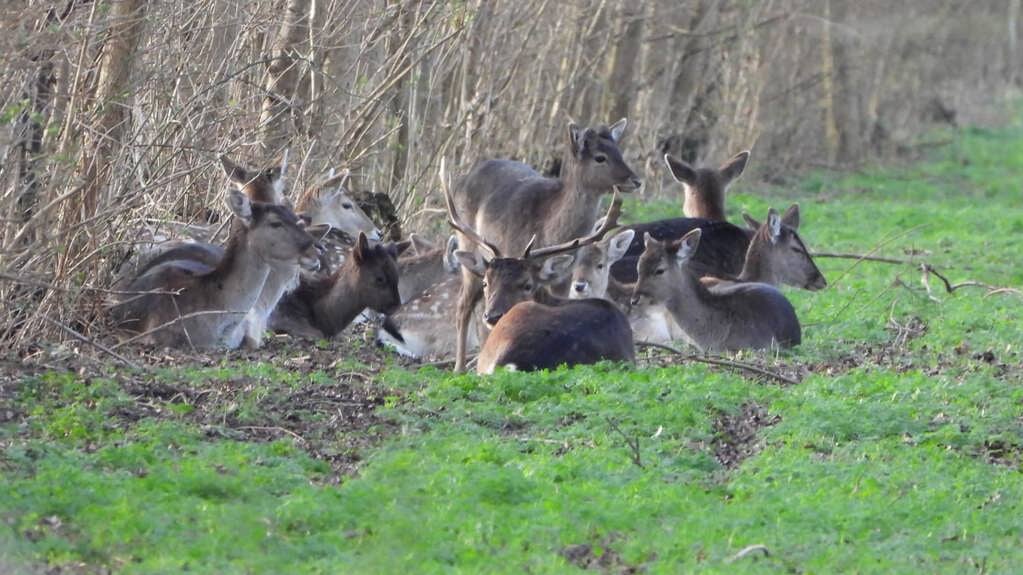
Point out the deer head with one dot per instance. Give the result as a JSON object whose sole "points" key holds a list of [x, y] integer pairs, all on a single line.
{"points": [[777, 252], [328, 204], [661, 267], [705, 187], [274, 231], [373, 270], [596, 158], [266, 185], [593, 263]]}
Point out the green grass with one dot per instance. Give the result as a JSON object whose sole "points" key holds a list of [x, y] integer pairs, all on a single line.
{"points": [[899, 452]]}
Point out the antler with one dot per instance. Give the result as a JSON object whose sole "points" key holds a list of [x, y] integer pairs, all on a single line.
{"points": [[610, 222], [455, 222]]}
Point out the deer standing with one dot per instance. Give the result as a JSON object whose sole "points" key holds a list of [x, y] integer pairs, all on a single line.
{"points": [[533, 328], [509, 202]]}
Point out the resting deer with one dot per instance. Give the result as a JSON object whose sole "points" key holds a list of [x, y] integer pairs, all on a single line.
{"points": [[267, 235], [726, 317], [428, 266], [322, 307], [509, 202], [532, 328], [705, 188], [421, 329]]}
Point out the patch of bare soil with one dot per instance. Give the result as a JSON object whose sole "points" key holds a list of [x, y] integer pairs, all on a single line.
{"points": [[1004, 453], [599, 557], [736, 434], [334, 421]]}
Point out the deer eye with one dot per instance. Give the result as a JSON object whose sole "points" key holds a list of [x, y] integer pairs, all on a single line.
{"points": [[659, 272], [346, 206], [380, 281], [600, 158], [276, 225], [526, 287], [600, 266]]}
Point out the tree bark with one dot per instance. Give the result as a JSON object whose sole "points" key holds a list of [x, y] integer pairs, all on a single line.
{"points": [[622, 88], [111, 103], [284, 75]]}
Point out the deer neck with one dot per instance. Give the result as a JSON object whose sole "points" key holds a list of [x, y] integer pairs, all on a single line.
{"points": [[617, 291], [755, 268], [544, 296], [574, 210], [693, 306], [698, 204], [339, 305], [238, 279]]}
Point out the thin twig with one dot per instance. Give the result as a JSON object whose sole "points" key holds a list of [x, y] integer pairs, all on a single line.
{"points": [[748, 550], [73, 333], [719, 361], [631, 442], [865, 257], [172, 322]]}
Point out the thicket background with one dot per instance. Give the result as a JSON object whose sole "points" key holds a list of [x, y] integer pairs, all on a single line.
{"points": [[112, 113]]}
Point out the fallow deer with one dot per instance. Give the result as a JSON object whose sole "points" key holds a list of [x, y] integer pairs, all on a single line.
{"points": [[705, 188], [720, 318], [205, 305], [322, 307], [509, 202], [533, 328]]}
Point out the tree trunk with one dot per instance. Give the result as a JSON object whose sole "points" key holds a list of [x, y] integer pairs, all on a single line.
{"points": [[111, 104], [284, 75], [622, 88]]}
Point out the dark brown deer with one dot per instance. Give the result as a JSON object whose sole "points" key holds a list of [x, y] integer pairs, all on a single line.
{"points": [[720, 318], [204, 305], [705, 187], [324, 306], [532, 328], [510, 202]]}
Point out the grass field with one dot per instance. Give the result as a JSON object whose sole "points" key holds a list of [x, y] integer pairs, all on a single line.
{"points": [[900, 450]]}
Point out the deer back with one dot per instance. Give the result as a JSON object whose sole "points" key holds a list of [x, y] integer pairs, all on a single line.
{"points": [[722, 251], [534, 336]]}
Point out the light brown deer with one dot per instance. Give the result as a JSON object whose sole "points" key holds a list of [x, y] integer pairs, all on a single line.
{"points": [[204, 305], [421, 329], [509, 202], [328, 205], [532, 328], [428, 266], [720, 318], [705, 188], [323, 307]]}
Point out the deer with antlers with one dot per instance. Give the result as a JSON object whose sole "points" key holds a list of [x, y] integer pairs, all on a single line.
{"points": [[533, 328], [509, 202]]}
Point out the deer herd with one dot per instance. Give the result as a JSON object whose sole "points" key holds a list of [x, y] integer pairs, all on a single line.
{"points": [[560, 283]]}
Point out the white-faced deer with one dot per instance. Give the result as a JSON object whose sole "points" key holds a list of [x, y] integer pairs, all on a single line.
{"points": [[214, 300], [727, 317], [532, 328], [322, 307], [328, 205], [705, 187], [509, 202]]}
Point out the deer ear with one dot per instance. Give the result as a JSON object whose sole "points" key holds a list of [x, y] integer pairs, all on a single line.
{"points": [[774, 225], [734, 167], [791, 217], [556, 268], [237, 174], [335, 182], [619, 244], [752, 223], [361, 248], [472, 261], [681, 171], [618, 129], [686, 246], [240, 206]]}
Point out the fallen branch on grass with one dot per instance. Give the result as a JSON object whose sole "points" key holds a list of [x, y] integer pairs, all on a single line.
{"points": [[719, 361], [950, 287], [748, 550], [864, 257]]}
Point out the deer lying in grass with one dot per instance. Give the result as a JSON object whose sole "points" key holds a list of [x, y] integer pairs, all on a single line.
{"points": [[204, 305], [509, 202], [705, 188], [725, 317], [532, 328], [322, 307], [778, 257]]}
